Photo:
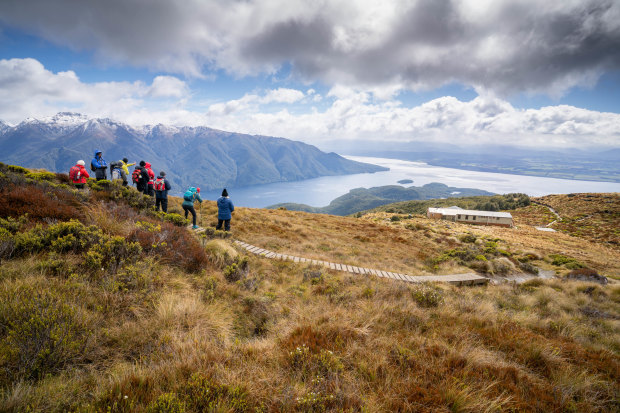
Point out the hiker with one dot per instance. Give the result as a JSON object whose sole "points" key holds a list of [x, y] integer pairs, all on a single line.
{"points": [[150, 190], [115, 170], [140, 177], [125, 168], [161, 186], [79, 174], [189, 197], [225, 209], [98, 165]]}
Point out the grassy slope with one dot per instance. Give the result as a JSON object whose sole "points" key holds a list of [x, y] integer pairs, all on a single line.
{"points": [[287, 337]]}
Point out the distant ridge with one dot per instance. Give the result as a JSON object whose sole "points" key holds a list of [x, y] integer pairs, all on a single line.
{"points": [[198, 156], [361, 199]]}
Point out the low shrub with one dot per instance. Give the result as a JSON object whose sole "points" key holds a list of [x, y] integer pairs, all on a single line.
{"points": [[426, 296], [204, 395], [166, 403], [237, 270], [111, 254], [170, 244], [568, 262], [41, 176], [468, 238], [16, 169], [40, 205], [40, 333]]}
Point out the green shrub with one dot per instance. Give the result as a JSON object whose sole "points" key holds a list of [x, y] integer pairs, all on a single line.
{"points": [[41, 176], [112, 253], [395, 218], [426, 296], [55, 265], [166, 403], [469, 238], [568, 262], [236, 270], [208, 291], [14, 225], [175, 219], [204, 395], [40, 334], [17, 169]]}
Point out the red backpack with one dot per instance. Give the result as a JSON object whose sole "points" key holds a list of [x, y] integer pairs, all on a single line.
{"points": [[74, 173], [160, 184], [135, 175]]}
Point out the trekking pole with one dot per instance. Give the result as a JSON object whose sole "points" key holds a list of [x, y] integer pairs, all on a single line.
{"points": [[201, 221]]}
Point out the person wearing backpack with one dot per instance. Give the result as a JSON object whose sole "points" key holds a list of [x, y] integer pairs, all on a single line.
{"points": [[140, 177], [161, 186], [151, 182], [225, 209], [189, 197], [98, 165], [115, 170], [78, 174], [125, 169]]}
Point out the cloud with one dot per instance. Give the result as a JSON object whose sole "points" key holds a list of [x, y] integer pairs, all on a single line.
{"points": [[28, 89], [505, 46], [484, 120], [168, 87], [283, 95]]}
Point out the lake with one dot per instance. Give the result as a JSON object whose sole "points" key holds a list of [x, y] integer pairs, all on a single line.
{"points": [[321, 191]]}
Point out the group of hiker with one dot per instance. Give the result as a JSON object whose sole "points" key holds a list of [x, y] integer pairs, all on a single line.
{"points": [[144, 179]]}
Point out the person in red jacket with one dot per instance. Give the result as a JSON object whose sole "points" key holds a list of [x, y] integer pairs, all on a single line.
{"points": [[150, 188], [78, 174]]}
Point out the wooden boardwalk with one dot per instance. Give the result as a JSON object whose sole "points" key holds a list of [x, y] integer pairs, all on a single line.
{"points": [[457, 279]]}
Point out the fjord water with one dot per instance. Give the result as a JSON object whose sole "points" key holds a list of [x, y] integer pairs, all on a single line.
{"points": [[321, 191]]}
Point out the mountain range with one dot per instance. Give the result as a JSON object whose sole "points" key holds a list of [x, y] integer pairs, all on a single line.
{"points": [[191, 156]]}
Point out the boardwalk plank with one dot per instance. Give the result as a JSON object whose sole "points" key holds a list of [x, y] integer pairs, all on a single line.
{"points": [[457, 279]]}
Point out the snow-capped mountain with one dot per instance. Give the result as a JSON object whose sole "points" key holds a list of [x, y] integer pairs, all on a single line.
{"points": [[189, 155]]}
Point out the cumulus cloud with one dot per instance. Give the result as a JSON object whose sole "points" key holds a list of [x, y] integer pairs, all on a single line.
{"points": [[28, 89], [168, 87], [484, 120], [505, 46]]}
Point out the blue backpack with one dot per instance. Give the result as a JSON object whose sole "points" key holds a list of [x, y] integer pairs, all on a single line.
{"points": [[188, 196]]}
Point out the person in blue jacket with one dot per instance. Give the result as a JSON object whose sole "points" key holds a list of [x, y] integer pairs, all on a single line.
{"points": [[99, 165], [189, 197], [225, 208]]}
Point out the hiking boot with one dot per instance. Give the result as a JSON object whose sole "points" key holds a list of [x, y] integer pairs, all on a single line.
{"points": [[195, 227]]}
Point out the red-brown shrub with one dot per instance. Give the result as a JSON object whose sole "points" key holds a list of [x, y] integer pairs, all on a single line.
{"points": [[172, 245], [39, 205]]}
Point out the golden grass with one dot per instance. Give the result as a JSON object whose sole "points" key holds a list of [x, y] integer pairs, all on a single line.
{"points": [[283, 338]]}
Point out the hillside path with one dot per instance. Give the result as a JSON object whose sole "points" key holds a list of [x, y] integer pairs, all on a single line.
{"points": [[553, 211], [457, 279]]}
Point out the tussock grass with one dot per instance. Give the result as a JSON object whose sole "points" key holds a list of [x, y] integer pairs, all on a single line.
{"points": [[157, 334]]}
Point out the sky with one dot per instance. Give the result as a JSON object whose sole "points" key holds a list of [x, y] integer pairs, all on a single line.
{"points": [[524, 72]]}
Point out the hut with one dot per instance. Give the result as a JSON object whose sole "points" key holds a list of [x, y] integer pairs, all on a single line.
{"points": [[456, 214]]}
